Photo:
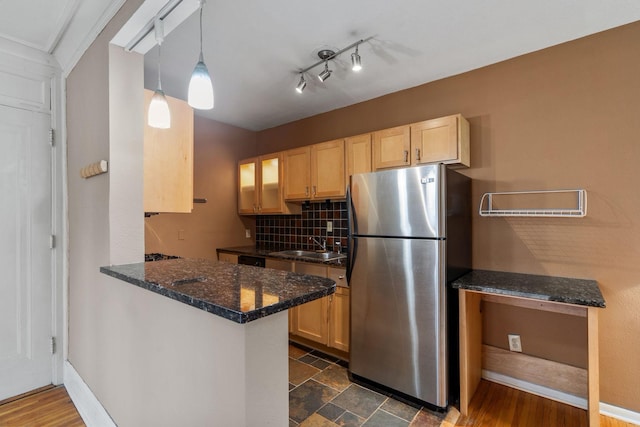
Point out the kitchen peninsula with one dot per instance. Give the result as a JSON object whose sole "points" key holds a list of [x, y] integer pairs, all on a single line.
{"points": [[240, 313]]}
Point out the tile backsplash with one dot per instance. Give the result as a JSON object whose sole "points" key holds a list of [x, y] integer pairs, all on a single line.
{"points": [[293, 231]]}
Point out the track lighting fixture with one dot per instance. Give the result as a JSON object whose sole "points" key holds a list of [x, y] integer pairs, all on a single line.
{"points": [[326, 73], [301, 85], [327, 55], [159, 115], [200, 87]]}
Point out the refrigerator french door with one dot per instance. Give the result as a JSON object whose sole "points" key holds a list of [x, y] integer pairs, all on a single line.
{"points": [[398, 272]]}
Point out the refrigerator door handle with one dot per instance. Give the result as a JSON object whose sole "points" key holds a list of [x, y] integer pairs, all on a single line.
{"points": [[351, 242]]}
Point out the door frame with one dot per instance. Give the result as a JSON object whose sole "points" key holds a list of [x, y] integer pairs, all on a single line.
{"points": [[31, 63]]}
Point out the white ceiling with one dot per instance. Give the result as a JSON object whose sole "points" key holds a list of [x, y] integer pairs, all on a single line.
{"points": [[253, 49]]}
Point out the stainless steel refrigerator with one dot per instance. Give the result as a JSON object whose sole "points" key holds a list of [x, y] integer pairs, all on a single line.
{"points": [[410, 234]]}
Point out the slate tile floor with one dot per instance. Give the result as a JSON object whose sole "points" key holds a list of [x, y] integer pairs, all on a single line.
{"points": [[321, 395]]}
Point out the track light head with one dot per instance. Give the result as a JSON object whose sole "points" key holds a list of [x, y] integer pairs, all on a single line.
{"points": [[326, 73], [301, 85], [356, 63]]}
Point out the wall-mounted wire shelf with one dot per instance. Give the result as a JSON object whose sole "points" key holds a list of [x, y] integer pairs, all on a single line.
{"points": [[487, 205]]}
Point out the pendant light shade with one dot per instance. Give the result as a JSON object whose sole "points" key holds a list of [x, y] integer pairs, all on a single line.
{"points": [[200, 87], [200, 94], [159, 115]]}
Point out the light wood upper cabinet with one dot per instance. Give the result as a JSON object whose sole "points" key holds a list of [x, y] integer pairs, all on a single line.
{"points": [[168, 160], [248, 186], [327, 170], [442, 140], [260, 186], [358, 154], [315, 172], [392, 147], [297, 174]]}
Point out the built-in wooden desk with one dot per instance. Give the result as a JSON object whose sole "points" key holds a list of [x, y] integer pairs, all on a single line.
{"points": [[577, 297]]}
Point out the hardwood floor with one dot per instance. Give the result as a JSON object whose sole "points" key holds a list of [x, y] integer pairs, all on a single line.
{"points": [[493, 405], [46, 407], [500, 406]]}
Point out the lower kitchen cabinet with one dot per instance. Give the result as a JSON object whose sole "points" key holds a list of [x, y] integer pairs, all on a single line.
{"points": [[339, 319], [226, 257], [325, 320], [310, 320]]}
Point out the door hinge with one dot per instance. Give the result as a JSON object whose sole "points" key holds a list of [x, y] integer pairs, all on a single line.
{"points": [[52, 140], [52, 241], [53, 345]]}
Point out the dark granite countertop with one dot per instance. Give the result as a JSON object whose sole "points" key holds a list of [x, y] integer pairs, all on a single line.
{"points": [[547, 288], [264, 252], [240, 293]]}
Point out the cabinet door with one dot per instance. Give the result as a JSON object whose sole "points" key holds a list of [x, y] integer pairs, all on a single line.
{"points": [[297, 174], [310, 320], [358, 154], [339, 319], [270, 184], [248, 186], [339, 310], [442, 140], [391, 148], [168, 160], [327, 170], [232, 258], [277, 264]]}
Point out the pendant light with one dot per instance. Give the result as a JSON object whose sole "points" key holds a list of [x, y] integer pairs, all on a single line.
{"points": [[159, 115], [200, 87]]}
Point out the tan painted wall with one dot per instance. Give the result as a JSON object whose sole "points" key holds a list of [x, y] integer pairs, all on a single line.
{"points": [[564, 117], [217, 149]]}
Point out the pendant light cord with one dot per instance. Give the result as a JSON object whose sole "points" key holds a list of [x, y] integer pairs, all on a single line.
{"points": [[159, 32], [201, 7], [159, 56]]}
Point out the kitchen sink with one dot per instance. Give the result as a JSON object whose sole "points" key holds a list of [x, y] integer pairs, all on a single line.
{"points": [[313, 255]]}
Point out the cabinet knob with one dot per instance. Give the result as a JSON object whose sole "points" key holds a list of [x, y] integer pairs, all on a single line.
{"points": [[306, 191], [417, 154], [406, 156], [340, 277], [314, 190]]}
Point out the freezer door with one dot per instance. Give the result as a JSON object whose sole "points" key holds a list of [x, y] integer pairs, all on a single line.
{"points": [[398, 316], [407, 202]]}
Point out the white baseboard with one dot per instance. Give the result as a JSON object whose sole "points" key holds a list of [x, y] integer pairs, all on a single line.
{"points": [[620, 413], [91, 410], [579, 402]]}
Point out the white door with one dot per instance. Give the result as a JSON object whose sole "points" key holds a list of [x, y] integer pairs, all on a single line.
{"points": [[25, 254]]}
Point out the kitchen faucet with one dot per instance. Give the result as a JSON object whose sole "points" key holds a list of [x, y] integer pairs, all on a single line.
{"points": [[323, 245]]}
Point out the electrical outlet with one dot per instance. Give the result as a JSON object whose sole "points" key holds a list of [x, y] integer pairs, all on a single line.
{"points": [[247, 233], [329, 227], [514, 343], [180, 234]]}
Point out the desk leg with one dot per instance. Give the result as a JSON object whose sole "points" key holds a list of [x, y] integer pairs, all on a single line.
{"points": [[470, 347], [593, 368]]}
